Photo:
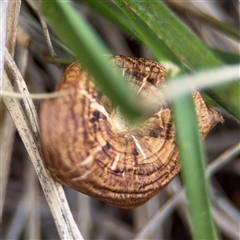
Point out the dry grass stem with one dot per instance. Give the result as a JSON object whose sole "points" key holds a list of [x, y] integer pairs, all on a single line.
{"points": [[160, 216], [53, 192], [10, 11], [223, 159], [35, 7], [226, 224]]}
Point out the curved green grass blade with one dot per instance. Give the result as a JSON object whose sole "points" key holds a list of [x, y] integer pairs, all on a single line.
{"points": [[179, 39], [186, 46], [230, 100], [227, 57], [110, 11], [89, 50]]}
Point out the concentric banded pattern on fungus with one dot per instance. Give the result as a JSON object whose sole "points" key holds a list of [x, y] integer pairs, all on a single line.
{"points": [[88, 146]]}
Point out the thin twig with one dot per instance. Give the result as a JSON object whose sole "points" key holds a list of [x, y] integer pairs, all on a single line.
{"points": [[223, 159], [35, 7], [226, 224], [161, 215], [36, 96]]}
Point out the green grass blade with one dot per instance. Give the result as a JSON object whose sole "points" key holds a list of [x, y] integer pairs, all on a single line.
{"points": [[226, 57], [193, 168], [84, 43], [172, 32], [111, 12], [180, 40]]}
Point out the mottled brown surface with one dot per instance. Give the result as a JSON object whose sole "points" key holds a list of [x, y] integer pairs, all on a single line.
{"points": [[89, 147]]}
